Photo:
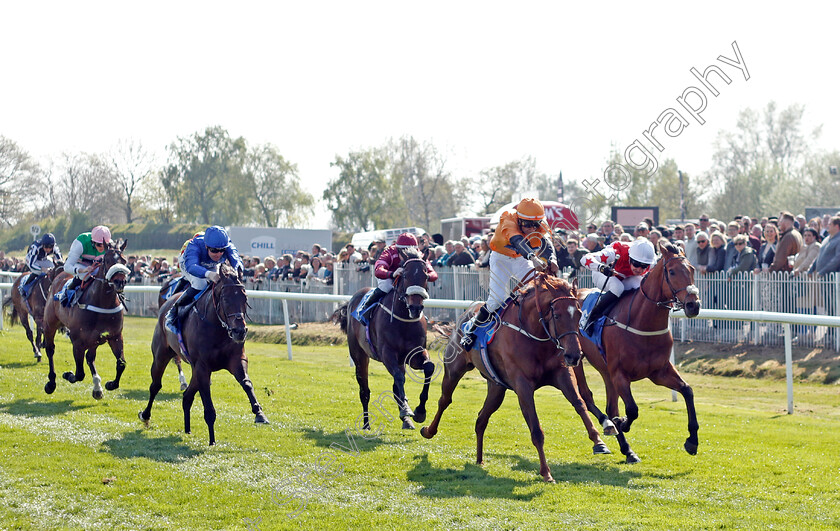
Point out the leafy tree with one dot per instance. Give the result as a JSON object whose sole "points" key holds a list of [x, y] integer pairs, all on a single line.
{"points": [[362, 196], [18, 181], [497, 186], [278, 196], [204, 177]]}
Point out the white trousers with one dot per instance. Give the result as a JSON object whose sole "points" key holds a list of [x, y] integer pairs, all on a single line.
{"points": [[502, 270], [615, 285], [385, 284], [198, 283], [41, 266]]}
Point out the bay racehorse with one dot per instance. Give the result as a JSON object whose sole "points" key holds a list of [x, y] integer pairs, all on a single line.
{"points": [[397, 337], [639, 345], [213, 333], [536, 344], [32, 305], [96, 319]]}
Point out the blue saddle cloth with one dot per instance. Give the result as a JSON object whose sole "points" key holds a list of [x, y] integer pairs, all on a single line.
{"points": [[65, 294], [485, 333], [363, 318], [598, 329]]}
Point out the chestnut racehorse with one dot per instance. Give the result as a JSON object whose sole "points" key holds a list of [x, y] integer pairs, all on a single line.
{"points": [[213, 333], [98, 318], [535, 345], [33, 305], [398, 334], [639, 344]]}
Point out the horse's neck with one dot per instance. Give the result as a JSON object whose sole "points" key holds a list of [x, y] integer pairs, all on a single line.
{"points": [[646, 313], [100, 291]]}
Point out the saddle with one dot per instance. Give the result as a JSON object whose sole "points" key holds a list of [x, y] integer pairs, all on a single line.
{"points": [[70, 297], [604, 320], [364, 318]]}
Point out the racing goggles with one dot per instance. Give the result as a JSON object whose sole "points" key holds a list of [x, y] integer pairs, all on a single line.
{"points": [[529, 224], [636, 263], [215, 250]]}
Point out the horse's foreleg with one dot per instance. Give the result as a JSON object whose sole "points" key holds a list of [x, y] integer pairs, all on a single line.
{"points": [[158, 368], [453, 371], [429, 368], [619, 385], [49, 346], [39, 339], [97, 380], [670, 378], [494, 399], [187, 400], [529, 411], [209, 410], [566, 383], [239, 370], [398, 372], [24, 320], [586, 394], [79, 357], [116, 345]]}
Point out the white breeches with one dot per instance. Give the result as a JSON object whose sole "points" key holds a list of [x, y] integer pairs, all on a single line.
{"points": [[502, 270], [40, 266], [385, 284], [615, 285]]}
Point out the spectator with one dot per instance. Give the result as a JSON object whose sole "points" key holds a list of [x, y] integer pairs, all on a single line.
{"points": [[380, 246], [705, 253], [732, 230], [679, 233], [789, 244], [590, 243], [767, 252], [270, 267], [575, 253], [809, 252], [642, 230], [608, 231], [316, 250], [815, 224], [690, 244], [654, 238], [828, 260], [744, 259], [800, 223], [462, 257], [704, 223], [284, 270], [318, 271], [440, 255], [484, 254], [618, 230], [343, 256], [755, 237], [718, 263], [625, 237], [450, 251], [353, 255], [826, 222]]}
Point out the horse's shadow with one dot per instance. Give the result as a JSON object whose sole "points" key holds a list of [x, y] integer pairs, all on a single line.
{"points": [[142, 395], [613, 476], [30, 408], [20, 364], [342, 438], [168, 449]]}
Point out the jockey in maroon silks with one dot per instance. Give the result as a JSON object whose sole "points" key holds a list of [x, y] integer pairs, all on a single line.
{"points": [[389, 267]]}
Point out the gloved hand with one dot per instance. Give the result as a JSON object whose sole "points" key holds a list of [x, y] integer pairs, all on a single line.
{"points": [[540, 264], [606, 270], [212, 276], [398, 272]]}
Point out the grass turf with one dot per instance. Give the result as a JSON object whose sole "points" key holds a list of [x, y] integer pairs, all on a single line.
{"points": [[70, 462]]}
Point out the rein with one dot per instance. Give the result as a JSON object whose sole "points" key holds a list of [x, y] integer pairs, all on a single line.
{"points": [[672, 302], [554, 317], [219, 312]]}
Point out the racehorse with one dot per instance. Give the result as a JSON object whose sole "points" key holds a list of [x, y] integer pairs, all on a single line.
{"points": [[162, 297], [96, 319], [535, 345], [32, 305], [397, 337], [639, 345], [213, 333]]}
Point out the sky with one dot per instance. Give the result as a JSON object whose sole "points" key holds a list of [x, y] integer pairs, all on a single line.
{"points": [[486, 82]]}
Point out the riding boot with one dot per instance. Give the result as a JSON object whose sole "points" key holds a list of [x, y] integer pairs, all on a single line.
{"points": [[24, 286], [482, 317], [374, 298], [173, 317], [70, 295], [607, 298]]}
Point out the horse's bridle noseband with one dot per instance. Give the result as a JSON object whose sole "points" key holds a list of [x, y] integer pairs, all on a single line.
{"points": [[673, 302], [405, 294]]}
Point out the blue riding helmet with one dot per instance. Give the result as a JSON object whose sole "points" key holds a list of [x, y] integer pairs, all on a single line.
{"points": [[48, 240], [216, 237]]}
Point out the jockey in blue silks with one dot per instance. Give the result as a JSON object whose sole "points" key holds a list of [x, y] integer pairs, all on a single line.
{"points": [[200, 262], [36, 260]]}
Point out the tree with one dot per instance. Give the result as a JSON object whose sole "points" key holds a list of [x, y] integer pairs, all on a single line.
{"points": [[133, 165], [278, 196], [204, 177], [362, 196], [18, 181], [500, 185], [87, 184]]}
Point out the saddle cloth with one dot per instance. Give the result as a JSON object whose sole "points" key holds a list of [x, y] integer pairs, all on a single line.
{"points": [[363, 318]]}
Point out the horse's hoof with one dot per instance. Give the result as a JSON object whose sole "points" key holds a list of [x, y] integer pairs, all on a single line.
{"points": [[407, 424], [49, 388], [111, 385], [184, 386], [37, 357], [261, 418], [69, 376], [609, 428], [212, 443], [632, 458], [420, 415], [145, 420], [424, 431], [600, 448], [549, 479], [98, 395], [691, 448]]}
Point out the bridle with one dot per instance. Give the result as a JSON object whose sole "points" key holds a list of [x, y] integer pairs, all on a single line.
{"points": [[673, 302], [414, 289], [555, 317], [218, 303]]}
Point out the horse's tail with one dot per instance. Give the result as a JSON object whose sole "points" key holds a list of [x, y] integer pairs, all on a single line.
{"points": [[340, 317], [14, 315]]}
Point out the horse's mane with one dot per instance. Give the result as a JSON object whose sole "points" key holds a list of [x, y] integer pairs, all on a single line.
{"points": [[227, 271], [411, 253], [670, 247], [548, 281]]}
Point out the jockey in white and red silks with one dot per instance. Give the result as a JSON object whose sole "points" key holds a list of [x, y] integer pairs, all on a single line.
{"points": [[618, 267]]}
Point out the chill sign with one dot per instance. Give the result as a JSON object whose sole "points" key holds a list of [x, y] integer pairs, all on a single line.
{"points": [[263, 245]]}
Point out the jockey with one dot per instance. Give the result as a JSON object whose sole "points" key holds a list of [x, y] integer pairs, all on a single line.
{"points": [[618, 267], [84, 249], [521, 239], [36, 259], [389, 266], [200, 262]]}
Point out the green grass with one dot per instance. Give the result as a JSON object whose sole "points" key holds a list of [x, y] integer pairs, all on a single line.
{"points": [[70, 462]]}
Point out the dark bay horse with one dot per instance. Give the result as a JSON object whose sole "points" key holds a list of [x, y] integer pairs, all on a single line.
{"points": [[162, 298], [33, 305], [639, 346], [536, 345], [213, 333], [398, 334], [98, 318]]}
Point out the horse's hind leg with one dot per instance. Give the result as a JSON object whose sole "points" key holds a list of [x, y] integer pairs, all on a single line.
{"points": [[116, 345], [181, 378], [361, 361], [239, 370], [632, 411], [566, 384], [187, 399], [494, 399], [23, 316], [670, 378], [452, 373], [158, 367], [49, 346], [586, 394], [529, 411]]}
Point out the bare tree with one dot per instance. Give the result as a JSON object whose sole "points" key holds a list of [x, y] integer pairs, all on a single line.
{"points": [[18, 181], [133, 165], [88, 185]]}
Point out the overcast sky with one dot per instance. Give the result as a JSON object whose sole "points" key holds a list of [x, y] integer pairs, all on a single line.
{"points": [[488, 82]]}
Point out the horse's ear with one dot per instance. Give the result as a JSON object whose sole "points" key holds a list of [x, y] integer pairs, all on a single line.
{"points": [[124, 244], [574, 286]]}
